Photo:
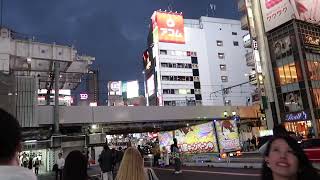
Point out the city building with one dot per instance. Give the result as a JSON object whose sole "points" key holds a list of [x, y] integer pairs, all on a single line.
{"points": [[92, 86], [191, 62], [287, 37]]}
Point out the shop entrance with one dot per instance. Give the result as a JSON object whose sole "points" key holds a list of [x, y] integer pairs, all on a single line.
{"points": [[301, 127]]}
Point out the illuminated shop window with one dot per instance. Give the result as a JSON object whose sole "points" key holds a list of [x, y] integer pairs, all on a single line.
{"points": [[287, 74], [314, 70]]}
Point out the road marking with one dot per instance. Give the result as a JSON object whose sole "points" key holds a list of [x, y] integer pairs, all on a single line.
{"points": [[212, 172]]}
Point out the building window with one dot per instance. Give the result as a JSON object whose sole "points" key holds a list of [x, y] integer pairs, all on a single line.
{"points": [[219, 43], [235, 43], [194, 60], [198, 97], [197, 85], [224, 78], [234, 33], [287, 74], [163, 52], [223, 67], [221, 55], [195, 72]]}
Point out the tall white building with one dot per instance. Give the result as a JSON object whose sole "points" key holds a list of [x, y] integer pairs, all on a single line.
{"points": [[196, 62]]}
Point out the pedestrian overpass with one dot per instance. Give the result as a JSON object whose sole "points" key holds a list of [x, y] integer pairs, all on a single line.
{"points": [[117, 119]]}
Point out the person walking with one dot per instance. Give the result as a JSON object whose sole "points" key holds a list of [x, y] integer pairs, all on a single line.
{"points": [[75, 167], [36, 166], [175, 152], [254, 142], [60, 164], [10, 146], [105, 161], [30, 163], [165, 156], [132, 167]]}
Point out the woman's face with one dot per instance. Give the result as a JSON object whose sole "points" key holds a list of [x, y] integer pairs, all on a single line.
{"points": [[281, 159]]}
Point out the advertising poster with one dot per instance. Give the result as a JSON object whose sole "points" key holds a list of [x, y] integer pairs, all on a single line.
{"points": [[197, 139], [277, 12], [168, 27], [228, 136], [165, 139]]}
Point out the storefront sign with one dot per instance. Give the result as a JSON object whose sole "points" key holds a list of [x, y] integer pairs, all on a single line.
{"points": [[312, 40], [297, 116], [168, 27]]}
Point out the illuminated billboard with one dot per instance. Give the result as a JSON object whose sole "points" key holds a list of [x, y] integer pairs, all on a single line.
{"points": [[132, 89], [168, 27], [114, 88], [150, 85], [127, 89], [197, 139], [277, 12], [228, 136]]}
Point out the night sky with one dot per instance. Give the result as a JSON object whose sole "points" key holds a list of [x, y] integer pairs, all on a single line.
{"points": [[113, 31]]}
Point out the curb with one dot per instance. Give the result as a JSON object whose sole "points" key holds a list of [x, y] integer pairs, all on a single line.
{"points": [[227, 165]]}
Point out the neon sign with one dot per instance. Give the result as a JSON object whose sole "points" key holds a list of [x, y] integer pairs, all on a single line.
{"points": [[297, 116]]}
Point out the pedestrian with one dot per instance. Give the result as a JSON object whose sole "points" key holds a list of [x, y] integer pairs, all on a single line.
{"points": [[60, 164], [249, 145], [75, 167], [119, 156], [36, 166], [10, 147], [284, 159], [254, 142], [105, 162], [141, 151], [175, 152], [165, 156], [30, 163], [132, 167]]}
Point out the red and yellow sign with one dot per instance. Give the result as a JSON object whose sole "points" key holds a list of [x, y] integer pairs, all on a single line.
{"points": [[170, 27]]}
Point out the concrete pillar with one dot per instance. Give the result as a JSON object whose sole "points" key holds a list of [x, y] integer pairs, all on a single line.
{"points": [[56, 97]]}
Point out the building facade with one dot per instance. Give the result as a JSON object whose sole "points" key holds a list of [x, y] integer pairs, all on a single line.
{"points": [[196, 62], [295, 56]]}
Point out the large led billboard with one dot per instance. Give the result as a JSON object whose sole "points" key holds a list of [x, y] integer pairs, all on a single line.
{"points": [[168, 27], [197, 139], [277, 12], [132, 89], [228, 137]]}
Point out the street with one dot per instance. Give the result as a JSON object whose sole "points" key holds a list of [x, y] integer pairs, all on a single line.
{"points": [[190, 173]]}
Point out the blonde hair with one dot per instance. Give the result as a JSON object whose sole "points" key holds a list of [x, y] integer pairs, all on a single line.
{"points": [[131, 167]]}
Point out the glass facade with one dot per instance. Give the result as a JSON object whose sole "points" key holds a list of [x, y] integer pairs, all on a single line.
{"points": [[289, 78]]}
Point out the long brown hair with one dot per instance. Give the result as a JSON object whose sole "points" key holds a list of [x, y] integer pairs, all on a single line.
{"points": [[131, 167]]}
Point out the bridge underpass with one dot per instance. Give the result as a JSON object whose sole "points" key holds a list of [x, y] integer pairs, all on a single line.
{"points": [[79, 120]]}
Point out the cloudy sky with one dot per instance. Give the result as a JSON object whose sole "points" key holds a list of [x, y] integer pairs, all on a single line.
{"points": [[113, 31]]}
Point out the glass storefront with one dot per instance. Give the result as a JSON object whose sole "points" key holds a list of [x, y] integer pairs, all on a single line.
{"points": [[41, 155], [300, 127]]}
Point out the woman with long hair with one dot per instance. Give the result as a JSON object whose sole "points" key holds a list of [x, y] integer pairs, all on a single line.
{"points": [[284, 159], [75, 167], [132, 167]]}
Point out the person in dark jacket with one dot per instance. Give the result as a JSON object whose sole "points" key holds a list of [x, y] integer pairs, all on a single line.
{"points": [[105, 162]]}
